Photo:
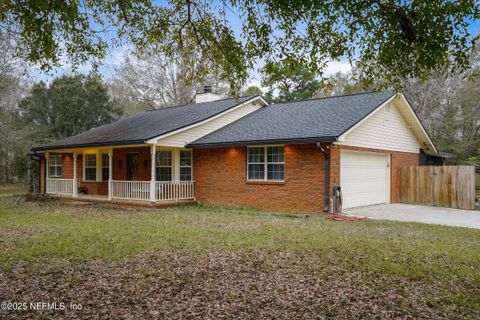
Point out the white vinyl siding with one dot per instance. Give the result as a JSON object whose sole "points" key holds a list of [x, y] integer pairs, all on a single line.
{"points": [[182, 138], [386, 129]]}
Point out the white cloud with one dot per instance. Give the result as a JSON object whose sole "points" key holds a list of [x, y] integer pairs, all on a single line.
{"points": [[337, 66]]}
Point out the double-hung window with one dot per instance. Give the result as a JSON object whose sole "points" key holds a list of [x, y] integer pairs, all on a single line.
{"points": [[266, 163], [90, 167], [185, 165], [105, 167], [164, 165], [55, 166]]}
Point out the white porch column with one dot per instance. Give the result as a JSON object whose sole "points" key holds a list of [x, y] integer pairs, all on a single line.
{"points": [[75, 187], [110, 173], [153, 152], [47, 169]]}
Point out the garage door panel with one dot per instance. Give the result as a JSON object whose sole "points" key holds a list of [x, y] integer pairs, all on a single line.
{"points": [[364, 178], [356, 174], [359, 187], [369, 198]]}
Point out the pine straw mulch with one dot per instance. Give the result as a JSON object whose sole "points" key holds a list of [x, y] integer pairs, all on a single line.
{"points": [[175, 284]]}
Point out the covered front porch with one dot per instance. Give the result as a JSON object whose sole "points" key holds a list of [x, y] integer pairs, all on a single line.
{"points": [[137, 173]]}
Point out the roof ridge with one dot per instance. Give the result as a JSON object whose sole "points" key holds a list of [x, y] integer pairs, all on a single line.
{"points": [[192, 104], [336, 96]]}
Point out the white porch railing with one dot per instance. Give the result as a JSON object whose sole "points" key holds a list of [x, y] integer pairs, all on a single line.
{"points": [[130, 190], [60, 186], [133, 190], [174, 190]]}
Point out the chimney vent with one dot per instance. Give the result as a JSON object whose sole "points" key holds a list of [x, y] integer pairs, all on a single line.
{"points": [[207, 89]]}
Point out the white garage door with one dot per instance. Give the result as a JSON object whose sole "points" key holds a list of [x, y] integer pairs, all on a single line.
{"points": [[364, 178]]}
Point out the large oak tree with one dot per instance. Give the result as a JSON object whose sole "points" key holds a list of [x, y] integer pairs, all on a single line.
{"points": [[385, 38]]}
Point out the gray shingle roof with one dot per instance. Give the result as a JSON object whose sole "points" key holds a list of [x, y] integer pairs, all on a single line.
{"points": [[146, 125], [322, 119]]}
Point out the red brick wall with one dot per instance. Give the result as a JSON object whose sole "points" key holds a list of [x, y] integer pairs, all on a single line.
{"points": [[334, 168], [120, 155], [92, 187], [67, 170], [67, 166], [220, 178], [220, 175], [119, 172], [397, 159]]}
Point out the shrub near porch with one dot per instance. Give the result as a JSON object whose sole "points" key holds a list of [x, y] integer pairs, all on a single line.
{"points": [[211, 262]]}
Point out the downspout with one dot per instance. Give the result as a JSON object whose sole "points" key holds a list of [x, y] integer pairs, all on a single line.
{"points": [[37, 157], [327, 176]]}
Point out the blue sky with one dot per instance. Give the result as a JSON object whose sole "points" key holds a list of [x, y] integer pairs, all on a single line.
{"points": [[116, 56]]}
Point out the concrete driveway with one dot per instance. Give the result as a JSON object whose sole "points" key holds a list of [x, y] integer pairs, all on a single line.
{"points": [[422, 214]]}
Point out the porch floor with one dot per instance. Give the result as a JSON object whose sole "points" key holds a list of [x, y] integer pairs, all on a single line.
{"points": [[93, 197], [104, 199]]}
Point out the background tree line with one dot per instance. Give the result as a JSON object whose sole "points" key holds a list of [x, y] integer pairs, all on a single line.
{"points": [[33, 113], [179, 45], [448, 104]]}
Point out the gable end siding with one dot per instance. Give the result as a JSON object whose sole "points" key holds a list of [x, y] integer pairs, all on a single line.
{"points": [[387, 129], [182, 138]]}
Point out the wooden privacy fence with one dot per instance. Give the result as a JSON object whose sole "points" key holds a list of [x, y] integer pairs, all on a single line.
{"points": [[477, 182], [441, 186]]}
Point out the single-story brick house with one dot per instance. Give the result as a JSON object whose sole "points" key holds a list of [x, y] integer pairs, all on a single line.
{"points": [[244, 152]]}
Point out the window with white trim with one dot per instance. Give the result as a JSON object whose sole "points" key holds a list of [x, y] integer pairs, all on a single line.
{"points": [[185, 165], [90, 165], [105, 167], [55, 166], [266, 163], [164, 166]]}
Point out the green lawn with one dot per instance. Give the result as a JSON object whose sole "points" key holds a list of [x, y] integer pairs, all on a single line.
{"points": [[190, 262], [9, 189]]}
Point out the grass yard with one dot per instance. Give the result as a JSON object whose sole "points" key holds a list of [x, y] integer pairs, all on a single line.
{"points": [[9, 189], [209, 262]]}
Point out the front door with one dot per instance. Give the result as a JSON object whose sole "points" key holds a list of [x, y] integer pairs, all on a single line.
{"points": [[132, 166]]}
